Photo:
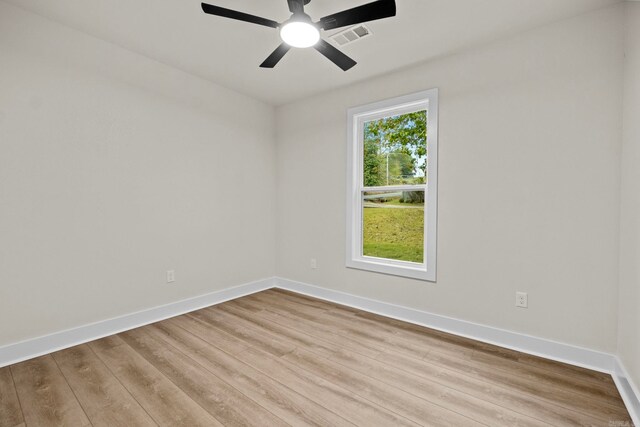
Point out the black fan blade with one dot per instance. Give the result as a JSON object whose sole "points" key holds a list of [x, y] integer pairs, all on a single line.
{"points": [[369, 12], [334, 55], [240, 16], [276, 56], [296, 6]]}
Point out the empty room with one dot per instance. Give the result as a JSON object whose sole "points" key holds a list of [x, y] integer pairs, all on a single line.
{"points": [[319, 213]]}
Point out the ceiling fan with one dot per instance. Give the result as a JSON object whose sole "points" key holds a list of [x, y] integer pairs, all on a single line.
{"points": [[301, 32]]}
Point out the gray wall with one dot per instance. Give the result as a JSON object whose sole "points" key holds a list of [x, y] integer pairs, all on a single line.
{"points": [[529, 155], [629, 329], [115, 168]]}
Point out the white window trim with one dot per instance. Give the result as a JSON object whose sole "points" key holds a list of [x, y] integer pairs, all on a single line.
{"points": [[355, 119]]}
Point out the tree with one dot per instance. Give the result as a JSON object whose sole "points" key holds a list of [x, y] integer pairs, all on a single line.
{"points": [[395, 148], [372, 164]]}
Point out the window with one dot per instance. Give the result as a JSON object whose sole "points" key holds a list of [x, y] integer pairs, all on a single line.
{"points": [[392, 186]]}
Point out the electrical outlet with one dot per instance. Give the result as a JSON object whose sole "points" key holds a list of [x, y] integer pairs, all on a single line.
{"points": [[171, 276], [314, 263], [522, 299]]}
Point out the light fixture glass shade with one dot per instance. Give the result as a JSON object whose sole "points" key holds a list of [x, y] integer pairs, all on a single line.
{"points": [[300, 34]]}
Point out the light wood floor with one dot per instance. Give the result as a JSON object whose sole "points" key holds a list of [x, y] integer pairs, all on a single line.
{"points": [[278, 358]]}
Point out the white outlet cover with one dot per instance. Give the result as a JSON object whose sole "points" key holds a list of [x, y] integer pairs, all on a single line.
{"points": [[522, 300]]}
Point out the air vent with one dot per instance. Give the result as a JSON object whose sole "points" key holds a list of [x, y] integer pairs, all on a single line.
{"points": [[351, 35]]}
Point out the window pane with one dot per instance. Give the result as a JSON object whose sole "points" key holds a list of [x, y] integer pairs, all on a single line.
{"points": [[393, 225], [395, 150]]}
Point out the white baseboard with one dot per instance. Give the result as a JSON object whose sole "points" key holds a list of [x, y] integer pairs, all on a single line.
{"points": [[566, 353], [18, 352], [628, 390]]}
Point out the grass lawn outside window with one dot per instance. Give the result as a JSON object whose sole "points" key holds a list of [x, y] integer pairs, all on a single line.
{"points": [[394, 230]]}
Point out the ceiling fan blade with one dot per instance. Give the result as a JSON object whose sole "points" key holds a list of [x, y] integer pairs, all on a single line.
{"points": [[240, 16], [334, 55], [296, 6], [276, 56], [369, 12]]}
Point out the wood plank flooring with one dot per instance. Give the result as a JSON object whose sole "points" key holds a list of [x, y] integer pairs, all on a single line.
{"points": [[282, 359]]}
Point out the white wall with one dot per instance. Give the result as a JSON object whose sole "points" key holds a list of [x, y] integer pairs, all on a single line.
{"points": [[115, 168], [530, 132], [629, 327]]}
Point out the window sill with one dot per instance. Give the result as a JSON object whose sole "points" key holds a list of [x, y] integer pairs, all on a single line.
{"points": [[393, 268]]}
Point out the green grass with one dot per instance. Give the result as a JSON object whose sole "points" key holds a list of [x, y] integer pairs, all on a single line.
{"points": [[394, 233]]}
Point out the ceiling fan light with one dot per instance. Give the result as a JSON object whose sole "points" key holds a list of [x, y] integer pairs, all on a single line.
{"points": [[300, 34]]}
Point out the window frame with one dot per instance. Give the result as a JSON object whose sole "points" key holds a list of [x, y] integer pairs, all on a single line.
{"points": [[356, 117]]}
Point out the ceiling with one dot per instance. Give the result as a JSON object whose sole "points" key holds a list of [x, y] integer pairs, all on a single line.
{"points": [[227, 52]]}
